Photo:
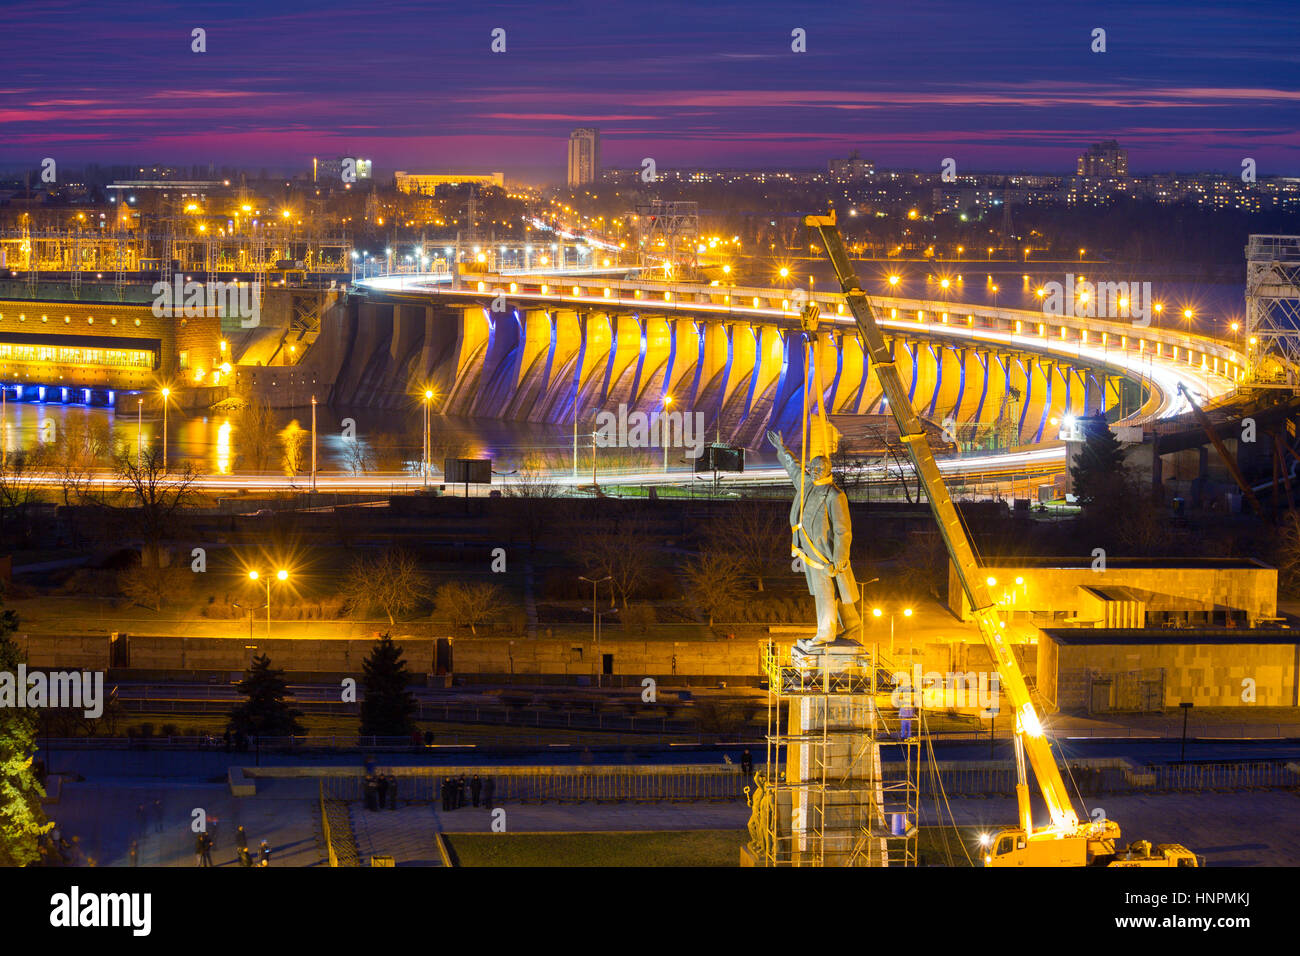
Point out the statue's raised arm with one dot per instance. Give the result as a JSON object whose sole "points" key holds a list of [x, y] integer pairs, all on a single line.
{"points": [[784, 455]]}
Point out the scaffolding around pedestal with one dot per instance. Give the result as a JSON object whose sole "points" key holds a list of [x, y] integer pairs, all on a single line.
{"points": [[839, 787]]}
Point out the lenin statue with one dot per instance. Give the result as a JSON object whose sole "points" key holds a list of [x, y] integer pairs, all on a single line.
{"points": [[821, 539]]}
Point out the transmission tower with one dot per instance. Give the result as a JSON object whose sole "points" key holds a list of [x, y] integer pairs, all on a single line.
{"points": [[1273, 311]]}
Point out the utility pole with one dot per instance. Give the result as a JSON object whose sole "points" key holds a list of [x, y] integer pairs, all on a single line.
{"points": [[313, 443]]}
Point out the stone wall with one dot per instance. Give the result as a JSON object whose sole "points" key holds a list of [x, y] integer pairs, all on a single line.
{"points": [[1207, 675], [495, 656]]}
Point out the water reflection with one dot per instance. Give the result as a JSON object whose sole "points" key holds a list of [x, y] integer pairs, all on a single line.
{"points": [[382, 439]]}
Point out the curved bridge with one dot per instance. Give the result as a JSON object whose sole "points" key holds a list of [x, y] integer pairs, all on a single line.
{"points": [[547, 348]]}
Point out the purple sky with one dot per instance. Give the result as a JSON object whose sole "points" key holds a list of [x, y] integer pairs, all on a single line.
{"points": [[1184, 85]]}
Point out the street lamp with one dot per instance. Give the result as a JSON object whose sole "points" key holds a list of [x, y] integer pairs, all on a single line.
{"points": [[595, 618], [165, 393], [663, 430], [139, 431], [428, 399], [281, 575], [879, 612]]}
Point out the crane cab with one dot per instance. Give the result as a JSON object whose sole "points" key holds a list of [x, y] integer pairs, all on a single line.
{"points": [[1013, 847]]}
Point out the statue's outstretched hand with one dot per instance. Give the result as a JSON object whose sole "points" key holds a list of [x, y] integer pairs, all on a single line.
{"points": [[775, 440]]}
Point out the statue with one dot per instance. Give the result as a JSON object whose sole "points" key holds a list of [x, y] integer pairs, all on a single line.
{"points": [[821, 535]]}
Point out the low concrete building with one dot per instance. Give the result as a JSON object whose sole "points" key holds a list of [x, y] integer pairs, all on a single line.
{"points": [[1102, 670], [1134, 592]]}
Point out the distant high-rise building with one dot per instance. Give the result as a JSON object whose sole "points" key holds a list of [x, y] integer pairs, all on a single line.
{"points": [[1105, 160], [855, 167], [584, 156]]}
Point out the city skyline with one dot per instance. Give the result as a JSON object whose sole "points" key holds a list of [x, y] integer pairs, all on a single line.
{"points": [[717, 87]]}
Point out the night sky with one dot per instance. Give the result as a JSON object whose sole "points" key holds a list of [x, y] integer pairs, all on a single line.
{"points": [[997, 86]]}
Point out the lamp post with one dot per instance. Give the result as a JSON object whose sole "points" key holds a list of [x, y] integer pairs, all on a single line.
{"points": [[139, 431], [595, 617], [879, 612], [428, 400], [281, 575], [1182, 751], [313, 443], [664, 430], [165, 393]]}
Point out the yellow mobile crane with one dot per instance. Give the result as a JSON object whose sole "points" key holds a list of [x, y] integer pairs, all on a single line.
{"points": [[1065, 840]]}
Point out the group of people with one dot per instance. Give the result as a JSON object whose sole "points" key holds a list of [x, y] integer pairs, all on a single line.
{"points": [[456, 790], [206, 840], [381, 791]]}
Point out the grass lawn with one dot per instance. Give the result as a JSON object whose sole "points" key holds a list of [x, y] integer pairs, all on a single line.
{"points": [[657, 848], [648, 848]]}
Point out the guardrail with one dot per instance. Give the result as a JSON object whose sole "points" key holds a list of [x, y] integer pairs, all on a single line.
{"points": [[558, 784], [1121, 776]]}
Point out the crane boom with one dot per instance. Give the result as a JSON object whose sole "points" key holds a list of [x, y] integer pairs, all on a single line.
{"points": [[1037, 747]]}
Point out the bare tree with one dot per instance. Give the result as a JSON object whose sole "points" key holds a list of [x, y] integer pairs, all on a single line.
{"points": [[467, 603], [619, 547], [154, 497], [391, 581], [754, 534], [358, 456], [18, 488], [294, 441], [256, 434], [713, 580], [533, 481]]}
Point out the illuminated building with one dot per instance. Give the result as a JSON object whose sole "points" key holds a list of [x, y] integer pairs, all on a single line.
{"points": [[584, 156]]}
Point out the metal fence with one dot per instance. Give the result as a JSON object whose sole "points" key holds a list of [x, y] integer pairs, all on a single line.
{"points": [[1121, 776], [559, 784]]}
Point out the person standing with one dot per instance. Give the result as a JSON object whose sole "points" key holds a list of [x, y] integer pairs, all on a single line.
{"points": [[199, 843], [158, 816], [135, 853], [392, 791], [475, 789], [489, 788], [241, 838], [462, 792], [382, 782], [264, 854], [207, 843]]}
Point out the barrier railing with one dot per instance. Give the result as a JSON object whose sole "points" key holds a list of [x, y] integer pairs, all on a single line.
{"points": [[558, 784]]}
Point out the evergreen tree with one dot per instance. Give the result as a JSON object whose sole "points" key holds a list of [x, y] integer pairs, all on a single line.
{"points": [[265, 712], [22, 820], [1099, 474], [388, 708]]}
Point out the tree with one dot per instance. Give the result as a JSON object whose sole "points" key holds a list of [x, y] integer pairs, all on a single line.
{"points": [[467, 604], [18, 489], [621, 549], [149, 585], [256, 435], [533, 481], [755, 534], [265, 713], [155, 498], [294, 441], [388, 708], [391, 581], [22, 820], [713, 581], [1099, 474]]}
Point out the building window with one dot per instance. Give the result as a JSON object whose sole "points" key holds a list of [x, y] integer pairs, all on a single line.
{"points": [[185, 360]]}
